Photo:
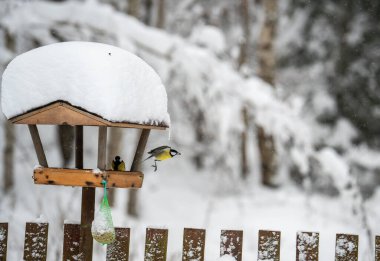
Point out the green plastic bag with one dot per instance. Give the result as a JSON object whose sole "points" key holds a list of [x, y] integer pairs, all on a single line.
{"points": [[102, 228]]}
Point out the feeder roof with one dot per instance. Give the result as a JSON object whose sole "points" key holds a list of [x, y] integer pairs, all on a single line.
{"points": [[83, 83]]}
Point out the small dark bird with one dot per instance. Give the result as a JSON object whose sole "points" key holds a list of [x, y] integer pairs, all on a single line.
{"points": [[118, 164], [162, 153]]}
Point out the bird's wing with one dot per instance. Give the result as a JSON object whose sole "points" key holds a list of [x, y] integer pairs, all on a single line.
{"points": [[158, 149], [148, 157], [121, 167]]}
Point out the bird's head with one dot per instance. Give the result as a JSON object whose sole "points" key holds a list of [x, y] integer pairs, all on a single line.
{"points": [[117, 158], [173, 152]]}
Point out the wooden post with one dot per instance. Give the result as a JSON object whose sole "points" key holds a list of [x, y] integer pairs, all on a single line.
{"points": [[38, 145], [156, 244], [102, 147], [231, 243], [88, 194], [346, 247], [193, 244], [71, 242], [269, 245], [119, 249], [36, 240], [307, 246], [136, 166], [377, 248], [3, 241]]}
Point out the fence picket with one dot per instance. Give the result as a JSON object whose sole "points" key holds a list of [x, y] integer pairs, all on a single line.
{"points": [[71, 241], [346, 248], [3, 241], [36, 239], [377, 248], [269, 245], [307, 246], [156, 244], [193, 244], [119, 249], [231, 243]]}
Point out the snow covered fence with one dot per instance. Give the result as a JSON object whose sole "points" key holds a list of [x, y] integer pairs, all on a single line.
{"points": [[156, 242]]}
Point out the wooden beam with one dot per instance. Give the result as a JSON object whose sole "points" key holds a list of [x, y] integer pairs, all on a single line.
{"points": [[136, 164], [87, 178], [61, 112], [38, 145], [102, 147]]}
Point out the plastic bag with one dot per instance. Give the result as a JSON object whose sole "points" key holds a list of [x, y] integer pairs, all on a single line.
{"points": [[102, 228]]}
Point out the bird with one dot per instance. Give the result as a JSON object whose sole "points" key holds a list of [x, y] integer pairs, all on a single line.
{"points": [[118, 164], [162, 153]]}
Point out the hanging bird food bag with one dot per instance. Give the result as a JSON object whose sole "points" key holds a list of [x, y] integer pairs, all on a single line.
{"points": [[102, 228]]}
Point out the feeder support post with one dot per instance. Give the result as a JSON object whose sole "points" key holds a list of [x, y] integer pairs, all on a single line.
{"points": [[88, 194], [38, 145], [136, 166]]}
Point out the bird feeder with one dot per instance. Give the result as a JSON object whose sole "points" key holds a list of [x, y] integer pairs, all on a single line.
{"points": [[84, 84], [63, 113]]}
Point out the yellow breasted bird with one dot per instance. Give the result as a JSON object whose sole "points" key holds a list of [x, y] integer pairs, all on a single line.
{"points": [[162, 153], [118, 164]]}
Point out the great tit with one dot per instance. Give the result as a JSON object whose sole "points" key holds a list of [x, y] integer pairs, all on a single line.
{"points": [[118, 164], [162, 153]]}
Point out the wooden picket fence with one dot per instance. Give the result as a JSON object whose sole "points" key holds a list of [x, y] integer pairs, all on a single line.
{"points": [[231, 243]]}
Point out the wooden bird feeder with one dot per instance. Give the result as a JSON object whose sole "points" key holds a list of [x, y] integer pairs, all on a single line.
{"points": [[62, 113], [84, 84]]}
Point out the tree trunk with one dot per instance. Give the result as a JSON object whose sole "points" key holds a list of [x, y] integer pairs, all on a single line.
{"points": [[268, 157], [133, 8], [114, 149], [148, 12], [200, 137], [244, 140], [267, 64], [161, 14], [66, 143], [243, 56], [266, 54], [8, 169]]}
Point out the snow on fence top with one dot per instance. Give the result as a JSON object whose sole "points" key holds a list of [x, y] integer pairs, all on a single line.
{"points": [[101, 79]]}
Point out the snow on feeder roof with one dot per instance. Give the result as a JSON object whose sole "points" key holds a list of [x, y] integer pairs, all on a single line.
{"points": [[83, 83]]}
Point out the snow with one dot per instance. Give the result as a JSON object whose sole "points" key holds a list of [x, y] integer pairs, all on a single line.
{"points": [[333, 165], [41, 219], [209, 37], [97, 171], [226, 258], [102, 79]]}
